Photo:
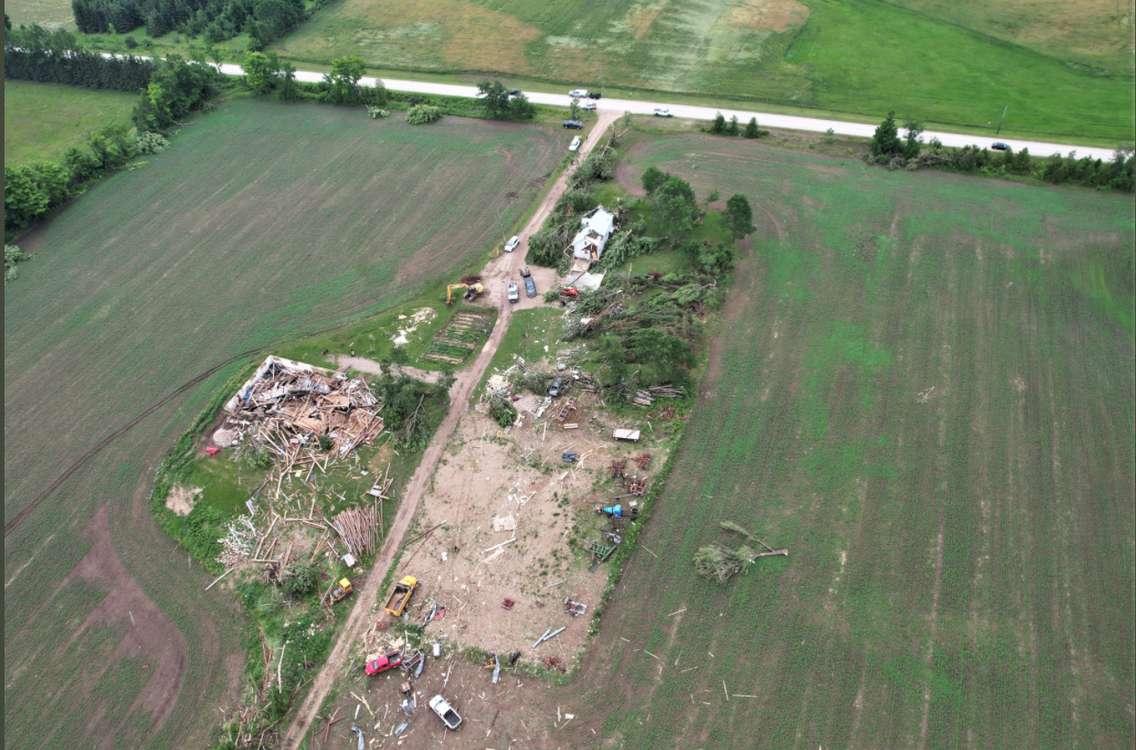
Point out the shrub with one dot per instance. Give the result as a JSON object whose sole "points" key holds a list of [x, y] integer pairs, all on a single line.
{"points": [[376, 113], [301, 579], [423, 114], [502, 412], [652, 178], [151, 143], [13, 255]]}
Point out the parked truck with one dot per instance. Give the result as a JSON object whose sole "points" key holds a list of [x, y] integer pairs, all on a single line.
{"points": [[400, 597], [445, 712]]}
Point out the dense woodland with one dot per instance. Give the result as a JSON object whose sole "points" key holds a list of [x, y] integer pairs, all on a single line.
{"points": [[216, 20]]}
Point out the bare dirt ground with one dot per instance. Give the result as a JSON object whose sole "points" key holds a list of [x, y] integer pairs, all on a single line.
{"points": [[495, 485], [360, 618], [493, 716], [371, 367], [181, 499]]}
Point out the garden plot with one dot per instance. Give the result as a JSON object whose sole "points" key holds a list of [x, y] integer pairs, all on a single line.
{"points": [[464, 334]]}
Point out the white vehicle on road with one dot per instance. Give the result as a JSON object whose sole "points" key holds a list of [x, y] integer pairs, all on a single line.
{"points": [[575, 144], [513, 293], [511, 245], [662, 112], [588, 105], [578, 93]]}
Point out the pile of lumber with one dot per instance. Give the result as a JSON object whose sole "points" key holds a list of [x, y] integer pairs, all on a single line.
{"points": [[357, 527], [647, 396]]}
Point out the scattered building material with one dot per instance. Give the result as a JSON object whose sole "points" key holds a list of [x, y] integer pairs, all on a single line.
{"points": [[574, 608], [548, 635], [287, 403], [600, 552]]}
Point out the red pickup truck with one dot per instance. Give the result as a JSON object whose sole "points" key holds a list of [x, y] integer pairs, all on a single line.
{"points": [[379, 663]]}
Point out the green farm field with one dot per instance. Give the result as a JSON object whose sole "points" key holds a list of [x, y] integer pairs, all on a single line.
{"points": [[923, 387], [1065, 71], [43, 120], [50, 13], [259, 223]]}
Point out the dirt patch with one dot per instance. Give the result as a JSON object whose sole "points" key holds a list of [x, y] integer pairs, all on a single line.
{"points": [[148, 635], [521, 481], [769, 15], [182, 499], [371, 367], [641, 18], [470, 31]]}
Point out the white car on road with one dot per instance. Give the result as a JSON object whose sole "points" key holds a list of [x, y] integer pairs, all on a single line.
{"points": [[662, 112], [578, 93], [575, 144], [588, 105], [511, 245], [513, 292]]}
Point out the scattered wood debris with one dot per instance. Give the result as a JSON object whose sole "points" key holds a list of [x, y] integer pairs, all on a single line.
{"points": [[287, 404]]}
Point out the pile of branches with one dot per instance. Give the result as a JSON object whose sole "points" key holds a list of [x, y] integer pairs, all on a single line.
{"points": [[720, 563]]}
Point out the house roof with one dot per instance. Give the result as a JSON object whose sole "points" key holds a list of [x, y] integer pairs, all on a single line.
{"points": [[595, 228], [599, 220]]}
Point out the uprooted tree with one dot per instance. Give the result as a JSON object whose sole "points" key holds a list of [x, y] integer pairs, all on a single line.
{"points": [[721, 563]]}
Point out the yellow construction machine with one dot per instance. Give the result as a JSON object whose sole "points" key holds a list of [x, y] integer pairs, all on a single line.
{"points": [[472, 291]]}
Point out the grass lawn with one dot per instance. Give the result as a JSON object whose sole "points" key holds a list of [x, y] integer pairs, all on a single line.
{"points": [[923, 387], [43, 120], [261, 222], [532, 335], [959, 68], [50, 13]]}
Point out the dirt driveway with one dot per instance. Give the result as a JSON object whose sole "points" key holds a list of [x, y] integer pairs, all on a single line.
{"points": [[361, 615]]}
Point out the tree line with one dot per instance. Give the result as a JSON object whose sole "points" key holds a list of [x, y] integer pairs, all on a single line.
{"points": [[33, 53], [263, 20], [174, 89], [909, 152]]}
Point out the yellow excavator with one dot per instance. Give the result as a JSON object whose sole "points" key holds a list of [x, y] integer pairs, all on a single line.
{"points": [[472, 291]]}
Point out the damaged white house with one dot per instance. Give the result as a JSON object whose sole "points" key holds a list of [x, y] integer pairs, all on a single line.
{"points": [[596, 227]]}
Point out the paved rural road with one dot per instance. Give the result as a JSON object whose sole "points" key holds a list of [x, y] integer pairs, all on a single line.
{"points": [[767, 119], [367, 596]]}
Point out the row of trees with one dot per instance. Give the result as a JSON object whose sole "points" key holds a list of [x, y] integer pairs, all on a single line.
{"points": [[722, 126], [32, 190], [266, 75], [909, 152], [263, 20], [33, 53], [175, 88]]}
